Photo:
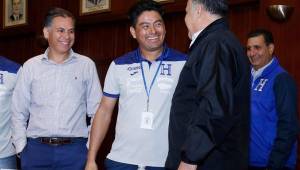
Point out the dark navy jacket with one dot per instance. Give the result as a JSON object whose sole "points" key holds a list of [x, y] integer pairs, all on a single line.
{"points": [[209, 119]]}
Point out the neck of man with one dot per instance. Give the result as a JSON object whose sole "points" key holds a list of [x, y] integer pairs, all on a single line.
{"points": [[207, 19], [58, 58], [152, 55]]}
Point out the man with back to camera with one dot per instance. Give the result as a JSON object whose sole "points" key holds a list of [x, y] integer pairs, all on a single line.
{"points": [[144, 81], [209, 119], [16, 10], [55, 91], [8, 77], [274, 122]]}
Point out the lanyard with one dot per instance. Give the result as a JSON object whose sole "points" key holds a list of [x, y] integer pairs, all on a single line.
{"points": [[148, 91]]}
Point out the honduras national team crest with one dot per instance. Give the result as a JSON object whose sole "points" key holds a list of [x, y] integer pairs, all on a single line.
{"points": [[166, 69], [261, 84]]}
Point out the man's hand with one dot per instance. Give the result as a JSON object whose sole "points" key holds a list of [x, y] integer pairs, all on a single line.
{"points": [[185, 166], [91, 165]]}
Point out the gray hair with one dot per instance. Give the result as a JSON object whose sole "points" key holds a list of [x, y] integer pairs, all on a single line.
{"points": [[219, 7]]}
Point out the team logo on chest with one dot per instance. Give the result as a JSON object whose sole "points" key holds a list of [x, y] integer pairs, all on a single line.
{"points": [[261, 84], [166, 69], [1, 78]]}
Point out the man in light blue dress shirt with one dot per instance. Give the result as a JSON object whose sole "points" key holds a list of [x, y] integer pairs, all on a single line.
{"points": [[53, 94]]}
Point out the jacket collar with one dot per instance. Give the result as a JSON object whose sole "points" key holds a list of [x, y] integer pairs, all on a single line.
{"points": [[271, 67], [216, 25]]}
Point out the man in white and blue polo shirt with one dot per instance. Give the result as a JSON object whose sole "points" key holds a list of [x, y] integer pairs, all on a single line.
{"points": [[143, 81], [8, 76]]}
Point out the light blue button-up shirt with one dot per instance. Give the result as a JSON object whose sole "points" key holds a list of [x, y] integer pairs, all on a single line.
{"points": [[55, 98]]}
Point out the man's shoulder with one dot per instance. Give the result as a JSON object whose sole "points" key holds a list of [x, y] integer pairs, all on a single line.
{"points": [[274, 69], [8, 65], [224, 40], [283, 76], [128, 58], [33, 60], [175, 55], [84, 58]]}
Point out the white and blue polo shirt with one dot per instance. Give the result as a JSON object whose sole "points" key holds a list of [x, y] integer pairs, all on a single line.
{"points": [[124, 80], [8, 70]]}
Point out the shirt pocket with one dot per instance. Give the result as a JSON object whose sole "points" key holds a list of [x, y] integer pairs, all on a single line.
{"points": [[74, 87]]}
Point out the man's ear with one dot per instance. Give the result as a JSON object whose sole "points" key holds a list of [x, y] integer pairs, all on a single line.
{"points": [[132, 31], [46, 32], [199, 8], [271, 48]]}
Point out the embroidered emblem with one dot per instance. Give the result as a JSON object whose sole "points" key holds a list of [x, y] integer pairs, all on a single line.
{"points": [[261, 84], [167, 68]]}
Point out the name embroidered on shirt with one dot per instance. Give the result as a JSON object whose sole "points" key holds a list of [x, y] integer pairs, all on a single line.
{"points": [[134, 68], [261, 84], [1, 78], [166, 67]]}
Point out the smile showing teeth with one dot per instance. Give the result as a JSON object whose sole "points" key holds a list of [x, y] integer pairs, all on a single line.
{"points": [[153, 38], [65, 43]]}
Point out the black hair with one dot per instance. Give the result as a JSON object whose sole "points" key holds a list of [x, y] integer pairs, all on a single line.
{"points": [[57, 12], [265, 33], [141, 6]]}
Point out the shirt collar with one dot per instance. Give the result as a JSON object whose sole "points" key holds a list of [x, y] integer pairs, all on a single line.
{"points": [[194, 36], [162, 56], [71, 56], [257, 73]]}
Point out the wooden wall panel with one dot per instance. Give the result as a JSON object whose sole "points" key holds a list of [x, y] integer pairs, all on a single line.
{"points": [[105, 36], [243, 18]]}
